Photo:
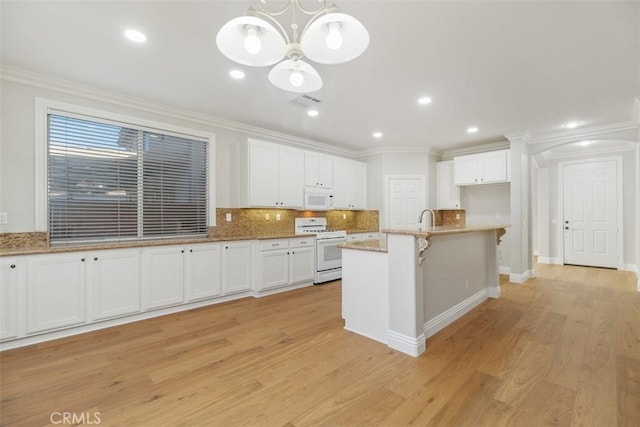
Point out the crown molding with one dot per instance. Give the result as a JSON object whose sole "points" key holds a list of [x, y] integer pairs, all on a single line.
{"points": [[396, 150], [593, 132], [493, 146], [31, 78]]}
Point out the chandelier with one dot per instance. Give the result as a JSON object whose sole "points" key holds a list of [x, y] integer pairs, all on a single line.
{"points": [[258, 39]]}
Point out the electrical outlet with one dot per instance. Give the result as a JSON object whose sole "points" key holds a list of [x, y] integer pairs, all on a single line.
{"points": [[344, 216], [228, 217], [457, 216], [267, 216], [277, 217], [4, 218]]}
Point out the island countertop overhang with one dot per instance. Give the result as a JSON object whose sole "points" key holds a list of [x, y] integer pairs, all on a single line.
{"points": [[444, 230]]}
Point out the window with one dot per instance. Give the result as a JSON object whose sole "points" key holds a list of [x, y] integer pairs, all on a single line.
{"points": [[115, 181]]}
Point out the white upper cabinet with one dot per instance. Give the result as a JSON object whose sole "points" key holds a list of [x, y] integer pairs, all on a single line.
{"points": [[276, 175], [318, 170], [482, 168], [448, 192], [349, 184]]}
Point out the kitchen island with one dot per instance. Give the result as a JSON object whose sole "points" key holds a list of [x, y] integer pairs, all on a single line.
{"points": [[404, 289]]}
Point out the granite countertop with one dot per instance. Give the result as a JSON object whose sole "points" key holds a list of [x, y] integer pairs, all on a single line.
{"points": [[366, 245], [32, 250], [446, 229]]}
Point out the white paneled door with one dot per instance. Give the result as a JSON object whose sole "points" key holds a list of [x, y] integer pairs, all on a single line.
{"points": [[590, 224], [406, 199]]}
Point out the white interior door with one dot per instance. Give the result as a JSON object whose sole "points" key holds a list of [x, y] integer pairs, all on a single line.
{"points": [[590, 206], [406, 199]]}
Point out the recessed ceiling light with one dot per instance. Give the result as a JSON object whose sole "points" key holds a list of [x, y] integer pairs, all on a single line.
{"points": [[572, 125], [424, 100], [135, 36], [237, 74], [377, 134], [312, 113], [472, 129]]}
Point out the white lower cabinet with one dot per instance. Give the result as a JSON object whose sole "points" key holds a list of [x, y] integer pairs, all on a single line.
{"points": [[163, 276], [283, 262], [8, 298], [113, 278], [56, 286], [236, 267], [360, 237], [302, 265], [203, 272]]}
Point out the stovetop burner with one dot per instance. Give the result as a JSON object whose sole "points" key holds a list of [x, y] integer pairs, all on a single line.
{"points": [[318, 226]]}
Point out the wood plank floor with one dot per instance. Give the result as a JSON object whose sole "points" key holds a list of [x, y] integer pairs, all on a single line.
{"points": [[562, 349]]}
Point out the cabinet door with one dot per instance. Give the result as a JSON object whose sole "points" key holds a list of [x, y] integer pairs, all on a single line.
{"points": [[448, 192], [8, 298], [493, 167], [274, 269], [465, 170], [264, 175], [341, 183], [236, 267], [302, 262], [203, 273], [318, 170], [113, 279], [291, 177], [358, 185], [163, 276], [55, 291]]}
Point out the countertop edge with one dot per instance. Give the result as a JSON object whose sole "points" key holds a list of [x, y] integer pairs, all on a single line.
{"points": [[444, 230], [366, 245]]}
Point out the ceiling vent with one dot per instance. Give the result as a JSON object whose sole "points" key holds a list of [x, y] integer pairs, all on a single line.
{"points": [[305, 101]]}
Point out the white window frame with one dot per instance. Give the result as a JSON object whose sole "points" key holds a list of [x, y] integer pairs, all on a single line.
{"points": [[44, 107]]}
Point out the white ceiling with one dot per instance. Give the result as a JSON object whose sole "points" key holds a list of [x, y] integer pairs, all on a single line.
{"points": [[502, 66]]}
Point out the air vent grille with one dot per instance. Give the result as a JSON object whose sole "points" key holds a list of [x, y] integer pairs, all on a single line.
{"points": [[305, 101]]}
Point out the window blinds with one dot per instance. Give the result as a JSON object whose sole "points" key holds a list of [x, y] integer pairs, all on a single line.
{"points": [[110, 182]]}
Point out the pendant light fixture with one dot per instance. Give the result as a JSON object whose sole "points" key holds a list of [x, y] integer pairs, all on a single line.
{"points": [[258, 39]]}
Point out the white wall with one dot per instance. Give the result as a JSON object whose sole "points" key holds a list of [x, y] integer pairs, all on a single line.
{"points": [[490, 204]]}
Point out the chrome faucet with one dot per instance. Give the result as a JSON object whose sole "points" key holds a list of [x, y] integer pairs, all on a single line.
{"points": [[433, 217]]}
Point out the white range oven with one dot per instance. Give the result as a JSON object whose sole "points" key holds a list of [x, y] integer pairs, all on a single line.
{"points": [[328, 256]]}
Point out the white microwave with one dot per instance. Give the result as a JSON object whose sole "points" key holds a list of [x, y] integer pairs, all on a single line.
{"points": [[318, 199]]}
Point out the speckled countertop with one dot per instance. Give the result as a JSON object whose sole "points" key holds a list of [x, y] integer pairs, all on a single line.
{"points": [[366, 245], [443, 230], [31, 249]]}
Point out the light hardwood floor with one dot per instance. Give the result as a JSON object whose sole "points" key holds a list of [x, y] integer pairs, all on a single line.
{"points": [[562, 349]]}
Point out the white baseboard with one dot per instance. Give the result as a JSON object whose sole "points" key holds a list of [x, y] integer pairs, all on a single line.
{"points": [[406, 344], [505, 269], [443, 320], [259, 294], [75, 330], [522, 277], [550, 260]]}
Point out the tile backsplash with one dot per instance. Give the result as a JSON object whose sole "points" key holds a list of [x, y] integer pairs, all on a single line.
{"points": [[253, 221]]}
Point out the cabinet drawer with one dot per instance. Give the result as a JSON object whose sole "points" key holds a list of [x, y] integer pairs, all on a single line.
{"points": [[302, 242], [272, 244]]}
